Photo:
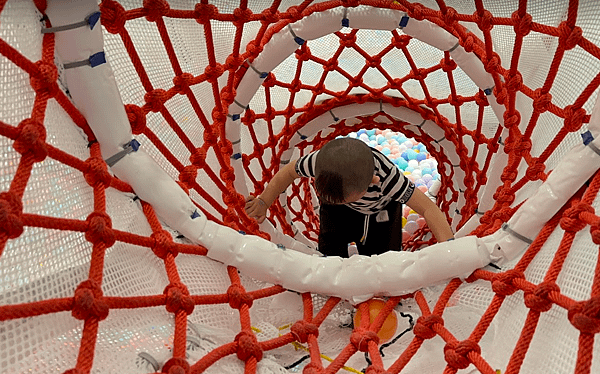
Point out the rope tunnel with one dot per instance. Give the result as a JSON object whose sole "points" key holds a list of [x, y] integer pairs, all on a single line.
{"points": [[132, 131]]}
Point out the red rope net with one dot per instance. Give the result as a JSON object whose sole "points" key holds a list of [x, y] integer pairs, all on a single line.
{"points": [[92, 281]]}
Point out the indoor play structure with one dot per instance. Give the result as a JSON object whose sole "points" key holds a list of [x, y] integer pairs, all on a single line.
{"points": [[131, 133]]}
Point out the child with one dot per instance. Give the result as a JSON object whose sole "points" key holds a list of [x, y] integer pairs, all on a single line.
{"points": [[361, 193]]}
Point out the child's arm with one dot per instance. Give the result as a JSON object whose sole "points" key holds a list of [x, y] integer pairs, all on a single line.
{"points": [[436, 220], [256, 207]]}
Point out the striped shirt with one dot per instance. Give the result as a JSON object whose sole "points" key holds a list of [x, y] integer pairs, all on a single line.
{"points": [[392, 185]]}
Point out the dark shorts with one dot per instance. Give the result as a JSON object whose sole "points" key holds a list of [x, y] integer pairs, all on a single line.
{"points": [[340, 225]]}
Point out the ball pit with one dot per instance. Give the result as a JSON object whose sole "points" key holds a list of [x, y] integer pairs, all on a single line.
{"points": [[412, 158]]}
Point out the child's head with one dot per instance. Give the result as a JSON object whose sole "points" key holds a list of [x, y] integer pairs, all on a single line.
{"points": [[344, 168]]}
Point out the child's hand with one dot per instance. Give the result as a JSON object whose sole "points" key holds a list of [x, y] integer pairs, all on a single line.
{"points": [[256, 208]]}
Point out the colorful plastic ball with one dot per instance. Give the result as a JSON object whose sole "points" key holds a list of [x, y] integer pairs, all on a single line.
{"points": [[371, 132], [413, 164], [421, 156], [405, 235], [364, 137], [423, 188], [361, 131], [412, 155], [412, 217], [421, 222], [373, 138], [404, 220], [386, 151], [402, 164], [411, 227], [388, 329], [427, 178]]}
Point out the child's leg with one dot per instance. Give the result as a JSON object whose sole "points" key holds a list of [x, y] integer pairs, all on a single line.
{"points": [[385, 231], [339, 225]]}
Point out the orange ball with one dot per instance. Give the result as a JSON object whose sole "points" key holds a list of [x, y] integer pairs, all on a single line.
{"points": [[388, 329]]}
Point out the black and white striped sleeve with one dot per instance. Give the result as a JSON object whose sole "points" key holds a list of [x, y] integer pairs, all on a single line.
{"points": [[305, 166]]}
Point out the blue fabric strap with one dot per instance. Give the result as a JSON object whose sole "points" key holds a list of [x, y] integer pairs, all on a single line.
{"points": [[128, 148], [90, 21], [94, 60], [588, 138]]}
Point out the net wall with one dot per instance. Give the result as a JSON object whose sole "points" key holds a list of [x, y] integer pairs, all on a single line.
{"points": [[91, 281]]}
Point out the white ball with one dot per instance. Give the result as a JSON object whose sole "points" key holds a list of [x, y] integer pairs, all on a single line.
{"points": [[413, 164]]}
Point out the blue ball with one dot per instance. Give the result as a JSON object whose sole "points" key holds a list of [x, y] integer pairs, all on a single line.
{"points": [[371, 132], [404, 155], [402, 163], [421, 156], [412, 155], [427, 171], [361, 131], [386, 151], [410, 169], [372, 137]]}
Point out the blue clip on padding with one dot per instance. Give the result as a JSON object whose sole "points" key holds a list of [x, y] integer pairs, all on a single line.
{"points": [[235, 117], [281, 246], [97, 59], [487, 91], [587, 137], [242, 232], [92, 19], [346, 22], [404, 21], [128, 148], [236, 156], [299, 40], [195, 214], [263, 75], [135, 145]]}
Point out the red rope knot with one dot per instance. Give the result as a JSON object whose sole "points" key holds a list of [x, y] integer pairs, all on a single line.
{"points": [[504, 214], [456, 353], [484, 21], [163, 244], [198, 158], [253, 49], [447, 64], [376, 370], [232, 62], [203, 13], [44, 79], [535, 171], [294, 14], [238, 297], [248, 346], [99, 230], [450, 16], [348, 40], [400, 41], [249, 117], [362, 337], [219, 116], [570, 220], [241, 16], [313, 368], [515, 82], [492, 63], [210, 136], [511, 119], [522, 25], [302, 329], [113, 16], [270, 81], [178, 298], [269, 16], [156, 9], [503, 283], [188, 175], [501, 94], [569, 36], [522, 146], [585, 315], [231, 198], [88, 303], [330, 65], [538, 300], [468, 43], [212, 72], [423, 327], [11, 210], [302, 54], [182, 82], [541, 100], [595, 231], [176, 365], [31, 139], [573, 118], [228, 93], [417, 11], [136, 117], [96, 173], [155, 99]]}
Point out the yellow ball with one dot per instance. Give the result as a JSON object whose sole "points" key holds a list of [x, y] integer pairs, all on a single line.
{"points": [[404, 221], [388, 329]]}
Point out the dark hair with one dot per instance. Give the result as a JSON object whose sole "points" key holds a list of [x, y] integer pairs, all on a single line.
{"points": [[343, 166]]}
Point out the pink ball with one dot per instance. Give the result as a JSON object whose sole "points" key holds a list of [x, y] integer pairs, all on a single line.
{"points": [[379, 147], [378, 132], [423, 188], [421, 222], [411, 227], [405, 235], [406, 211]]}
